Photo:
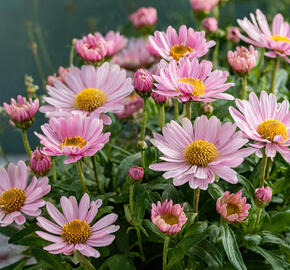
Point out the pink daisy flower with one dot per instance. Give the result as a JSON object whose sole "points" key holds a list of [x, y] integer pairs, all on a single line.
{"points": [[89, 90], [191, 80], [73, 230], [260, 35], [75, 136], [167, 217], [115, 42], [266, 122], [233, 207], [187, 44], [17, 197], [194, 154]]}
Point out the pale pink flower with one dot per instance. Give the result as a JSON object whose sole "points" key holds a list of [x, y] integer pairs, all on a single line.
{"points": [[194, 154], [210, 24], [263, 195], [115, 42], [188, 43], [233, 34], [61, 75], [266, 122], [132, 104], [17, 197], [89, 90], [39, 163], [136, 173], [203, 5], [259, 34], [207, 107], [75, 136], [167, 217], [72, 230], [233, 207], [243, 60], [142, 81], [144, 16], [158, 98], [22, 111], [135, 56], [189, 80], [92, 48]]}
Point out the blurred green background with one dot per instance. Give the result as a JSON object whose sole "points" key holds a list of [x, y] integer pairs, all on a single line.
{"points": [[53, 24]]}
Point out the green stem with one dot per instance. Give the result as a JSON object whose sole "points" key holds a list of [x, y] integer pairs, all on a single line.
{"points": [[162, 116], [139, 237], [53, 168], [142, 134], [244, 86], [215, 53], [165, 252], [86, 263], [259, 216], [274, 74], [131, 201], [94, 160], [26, 142], [81, 175], [72, 51], [263, 172], [196, 194], [176, 109], [188, 110], [269, 167]]}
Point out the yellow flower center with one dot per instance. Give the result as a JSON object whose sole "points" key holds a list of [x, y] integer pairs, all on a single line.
{"points": [[74, 141], [232, 209], [12, 200], [178, 51], [200, 153], [90, 99], [76, 231], [199, 87], [268, 129], [280, 38], [170, 219]]}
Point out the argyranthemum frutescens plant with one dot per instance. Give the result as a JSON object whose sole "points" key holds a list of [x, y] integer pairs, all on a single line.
{"points": [[152, 157]]}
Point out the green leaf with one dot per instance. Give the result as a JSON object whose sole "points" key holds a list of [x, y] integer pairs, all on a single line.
{"points": [[16, 266], [231, 247], [279, 222], [248, 186], [272, 238], [252, 240], [154, 234], [215, 191], [21, 234], [33, 241], [175, 255], [117, 262]]}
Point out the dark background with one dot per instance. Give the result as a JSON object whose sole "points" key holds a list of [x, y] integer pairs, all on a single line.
{"points": [[54, 23]]}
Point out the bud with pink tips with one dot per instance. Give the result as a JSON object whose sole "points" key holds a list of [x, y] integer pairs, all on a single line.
{"points": [[143, 81], [39, 163], [263, 196], [210, 24], [203, 5], [233, 34], [144, 17], [136, 173], [243, 60], [159, 98]]}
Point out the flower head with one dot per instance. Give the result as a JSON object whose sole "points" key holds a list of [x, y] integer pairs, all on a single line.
{"points": [[115, 42], [17, 197], [75, 136], [159, 98], [194, 154], [89, 90], [136, 173], [259, 34], [188, 43], [144, 17], [72, 229], [203, 5], [189, 80], [243, 60], [132, 104], [167, 217], [210, 24], [22, 111], [263, 196], [233, 207], [266, 122], [143, 81], [61, 75], [233, 34], [39, 163]]}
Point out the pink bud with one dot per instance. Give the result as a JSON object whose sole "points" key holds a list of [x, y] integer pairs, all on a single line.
{"points": [[203, 5], [158, 98], [210, 24], [136, 173], [233, 34], [207, 108], [144, 17], [40, 164], [263, 196], [142, 81]]}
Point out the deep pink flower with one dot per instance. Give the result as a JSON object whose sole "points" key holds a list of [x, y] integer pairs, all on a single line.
{"points": [[72, 229], [17, 197], [143, 81], [136, 173], [61, 75], [194, 154], [259, 34], [144, 17], [132, 104], [233, 34], [243, 60], [263, 195], [167, 217], [115, 42], [187, 44], [159, 98], [22, 111], [89, 90], [191, 80], [210, 24], [75, 136], [39, 163], [266, 122], [92, 48], [203, 5], [233, 207]]}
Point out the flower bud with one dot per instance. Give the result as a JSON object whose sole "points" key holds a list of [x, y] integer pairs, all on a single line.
{"points": [[143, 81], [263, 196], [203, 5], [210, 24], [144, 17], [158, 98], [136, 173], [233, 34], [39, 163], [207, 108]]}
